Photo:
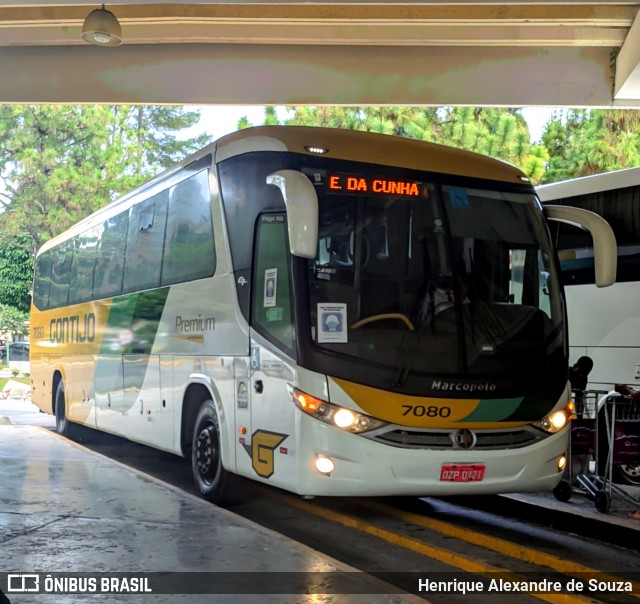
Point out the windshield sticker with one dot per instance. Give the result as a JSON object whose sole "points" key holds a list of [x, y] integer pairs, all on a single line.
{"points": [[332, 323], [275, 314], [270, 283], [458, 198]]}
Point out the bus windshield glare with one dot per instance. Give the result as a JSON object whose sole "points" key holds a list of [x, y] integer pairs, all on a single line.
{"points": [[460, 277]]}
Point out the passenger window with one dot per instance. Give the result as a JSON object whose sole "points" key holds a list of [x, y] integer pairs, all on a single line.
{"points": [[272, 306], [107, 281], [60, 273], [189, 251], [145, 240], [84, 259], [42, 281]]}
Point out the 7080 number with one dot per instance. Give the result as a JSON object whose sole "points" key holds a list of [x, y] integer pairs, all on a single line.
{"points": [[422, 411]]}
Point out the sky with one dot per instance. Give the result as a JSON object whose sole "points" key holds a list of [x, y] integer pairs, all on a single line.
{"points": [[222, 119]]}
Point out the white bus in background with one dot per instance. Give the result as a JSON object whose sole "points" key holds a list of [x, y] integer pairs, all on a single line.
{"points": [[604, 323]]}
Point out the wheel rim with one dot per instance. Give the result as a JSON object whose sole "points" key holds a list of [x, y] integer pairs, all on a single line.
{"points": [[207, 452], [632, 471]]}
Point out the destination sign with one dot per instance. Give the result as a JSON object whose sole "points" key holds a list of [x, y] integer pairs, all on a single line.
{"points": [[374, 185]]}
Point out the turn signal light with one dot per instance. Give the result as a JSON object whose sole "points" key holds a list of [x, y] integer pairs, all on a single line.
{"points": [[340, 417]]}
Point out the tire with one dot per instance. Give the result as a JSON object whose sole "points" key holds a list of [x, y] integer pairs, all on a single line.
{"points": [[63, 425], [562, 491], [215, 484], [627, 474], [603, 501]]}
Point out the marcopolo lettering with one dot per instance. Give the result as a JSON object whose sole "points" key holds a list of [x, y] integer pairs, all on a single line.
{"points": [[462, 386], [194, 324], [73, 329]]}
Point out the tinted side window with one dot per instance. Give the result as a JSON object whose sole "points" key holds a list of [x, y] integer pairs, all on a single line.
{"points": [[107, 281], [272, 307], [145, 239], [60, 274], [42, 280], [84, 260], [621, 209], [189, 251]]}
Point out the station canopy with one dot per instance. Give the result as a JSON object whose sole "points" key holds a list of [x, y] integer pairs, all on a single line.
{"points": [[491, 53]]}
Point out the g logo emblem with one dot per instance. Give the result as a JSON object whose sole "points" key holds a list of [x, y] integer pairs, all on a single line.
{"points": [[263, 444]]}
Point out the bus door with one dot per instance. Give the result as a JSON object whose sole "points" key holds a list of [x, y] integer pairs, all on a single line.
{"points": [[272, 414], [272, 353]]}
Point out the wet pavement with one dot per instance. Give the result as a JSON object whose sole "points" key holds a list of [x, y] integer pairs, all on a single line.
{"points": [[65, 509]]}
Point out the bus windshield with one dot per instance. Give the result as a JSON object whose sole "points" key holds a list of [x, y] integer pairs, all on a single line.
{"points": [[434, 279]]}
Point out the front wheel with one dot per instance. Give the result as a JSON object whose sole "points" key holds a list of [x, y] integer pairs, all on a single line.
{"points": [[212, 480], [562, 491]]}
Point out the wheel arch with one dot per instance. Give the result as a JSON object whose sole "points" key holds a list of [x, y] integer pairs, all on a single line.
{"points": [[199, 390]]}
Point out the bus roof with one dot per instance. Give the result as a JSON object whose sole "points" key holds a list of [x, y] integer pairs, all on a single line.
{"points": [[607, 181], [353, 145], [369, 147]]}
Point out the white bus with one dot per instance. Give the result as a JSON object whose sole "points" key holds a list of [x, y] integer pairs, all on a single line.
{"points": [[329, 312], [604, 324]]}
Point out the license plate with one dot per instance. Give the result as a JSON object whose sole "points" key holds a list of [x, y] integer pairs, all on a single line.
{"points": [[462, 472]]}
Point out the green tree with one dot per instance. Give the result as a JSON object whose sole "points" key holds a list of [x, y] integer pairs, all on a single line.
{"points": [[13, 321], [60, 163], [16, 275], [581, 142]]}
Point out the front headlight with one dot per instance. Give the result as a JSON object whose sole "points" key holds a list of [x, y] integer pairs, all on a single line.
{"points": [[555, 421], [340, 417]]}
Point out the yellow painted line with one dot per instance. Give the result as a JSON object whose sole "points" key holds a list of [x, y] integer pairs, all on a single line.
{"points": [[436, 553], [502, 546]]}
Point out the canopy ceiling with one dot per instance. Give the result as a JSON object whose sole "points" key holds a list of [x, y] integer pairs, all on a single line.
{"points": [[414, 53]]}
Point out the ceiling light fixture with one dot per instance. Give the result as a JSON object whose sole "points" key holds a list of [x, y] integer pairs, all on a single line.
{"points": [[101, 27]]}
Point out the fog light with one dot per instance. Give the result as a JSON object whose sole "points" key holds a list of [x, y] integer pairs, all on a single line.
{"points": [[324, 465], [562, 463]]}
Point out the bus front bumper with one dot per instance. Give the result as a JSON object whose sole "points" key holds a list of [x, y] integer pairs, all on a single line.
{"points": [[364, 467]]}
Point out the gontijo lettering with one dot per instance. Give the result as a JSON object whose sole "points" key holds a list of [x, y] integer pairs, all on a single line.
{"points": [[346, 183], [76, 328]]}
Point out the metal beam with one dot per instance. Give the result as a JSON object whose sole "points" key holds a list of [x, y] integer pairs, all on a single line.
{"points": [[273, 74]]}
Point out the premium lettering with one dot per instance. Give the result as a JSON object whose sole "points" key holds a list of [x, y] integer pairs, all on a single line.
{"points": [[191, 325]]}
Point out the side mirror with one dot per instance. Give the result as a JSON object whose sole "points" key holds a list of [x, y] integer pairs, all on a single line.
{"points": [[302, 210], [605, 249]]}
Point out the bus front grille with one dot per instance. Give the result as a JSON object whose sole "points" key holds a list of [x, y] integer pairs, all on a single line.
{"points": [[444, 439]]}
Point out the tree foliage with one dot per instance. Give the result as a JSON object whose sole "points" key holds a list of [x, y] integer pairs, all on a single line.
{"points": [[16, 275], [581, 142], [13, 321], [60, 163]]}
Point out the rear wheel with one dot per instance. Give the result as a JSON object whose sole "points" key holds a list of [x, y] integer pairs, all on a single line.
{"points": [[212, 480], [63, 425]]}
